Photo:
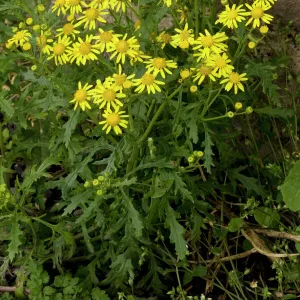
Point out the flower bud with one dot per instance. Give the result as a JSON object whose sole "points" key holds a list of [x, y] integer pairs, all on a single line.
{"points": [[230, 114], [29, 21], [251, 45], [185, 73], [249, 110], [193, 89], [191, 159], [238, 106]]}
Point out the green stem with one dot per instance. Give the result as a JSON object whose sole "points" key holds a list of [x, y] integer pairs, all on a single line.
{"points": [[196, 18], [2, 177]]}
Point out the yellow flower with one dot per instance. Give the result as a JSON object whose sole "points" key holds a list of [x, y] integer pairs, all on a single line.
{"points": [[251, 45], [160, 65], [105, 39], [264, 29], [265, 2], [202, 72], [193, 89], [184, 38], [90, 17], [101, 4], [68, 30], [75, 6], [26, 46], [238, 105], [122, 48], [257, 13], [207, 44], [121, 80], [117, 5], [107, 95], [168, 3], [183, 14], [231, 16], [60, 6], [184, 74], [83, 51], [164, 38], [59, 50], [234, 80], [20, 38], [114, 120], [139, 56], [82, 96], [42, 41], [147, 81], [220, 64]]}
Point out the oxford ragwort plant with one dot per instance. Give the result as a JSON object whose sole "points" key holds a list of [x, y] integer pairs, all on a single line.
{"points": [[120, 139]]}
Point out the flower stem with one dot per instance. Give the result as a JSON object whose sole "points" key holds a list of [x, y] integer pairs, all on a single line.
{"points": [[196, 18]]}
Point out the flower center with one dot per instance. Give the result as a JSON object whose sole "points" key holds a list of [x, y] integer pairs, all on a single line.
{"points": [[257, 12], [42, 40], [166, 38], [184, 35], [80, 95], [74, 2], [109, 95], [92, 14], [85, 48], [207, 41], [68, 29], [59, 49], [159, 63], [106, 36], [60, 2], [19, 36], [120, 79], [234, 78], [113, 119], [232, 14], [147, 79], [122, 46], [220, 62], [205, 70], [127, 84]]}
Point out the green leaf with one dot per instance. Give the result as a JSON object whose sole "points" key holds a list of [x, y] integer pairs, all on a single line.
{"points": [[6, 106], [193, 132], [235, 224], [275, 112], [126, 182], [177, 233], [180, 187], [208, 153], [200, 271], [70, 126], [98, 294], [266, 217], [14, 236], [250, 183], [291, 188]]}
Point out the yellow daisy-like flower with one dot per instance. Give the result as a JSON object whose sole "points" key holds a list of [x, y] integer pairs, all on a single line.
{"points": [[148, 81], [107, 95], [120, 79], [184, 38], [75, 6], [168, 3], [68, 30], [265, 2], [117, 5], [160, 65], [90, 17], [101, 4], [122, 48], [20, 37], [183, 14], [231, 16], [83, 51], [60, 7], [82, 96], [139, 56], [220, 64], [105, 39], [257, 13], [234, 79], [59, 50], [114, 119], [202, 72], [42, 42], [164, 38], [207, 44]]}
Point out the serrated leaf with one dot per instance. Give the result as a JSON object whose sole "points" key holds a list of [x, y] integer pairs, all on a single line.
{"points": [[193, 132], [6, 106], [208, 153], [275, 112], [291, 188], [126, 182], [98, 294], [180, 187], [176, 233], [70, 126], [250, 183], [14, 235]]}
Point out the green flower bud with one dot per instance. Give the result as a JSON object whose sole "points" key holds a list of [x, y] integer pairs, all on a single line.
{"points": [[87, 184], [249, 110], [33, 68], [95, 182], [200, 154], [101, 178], [99, 192], [41, 8], [191, 159], [230, 114]]}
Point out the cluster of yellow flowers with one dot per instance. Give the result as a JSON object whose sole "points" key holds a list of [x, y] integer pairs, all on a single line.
{"points": [[73, 45]]}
